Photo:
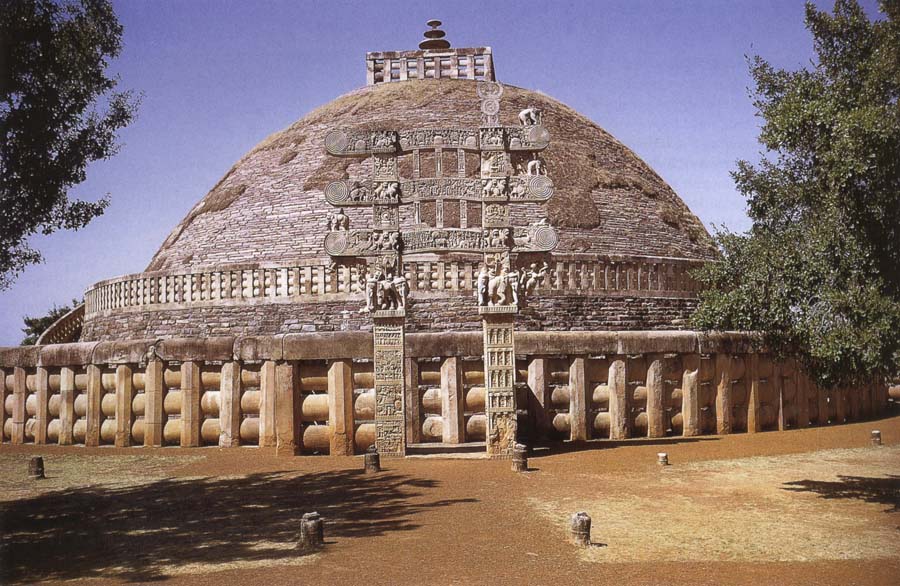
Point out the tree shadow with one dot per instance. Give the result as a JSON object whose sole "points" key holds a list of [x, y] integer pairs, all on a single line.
{"points": [[551, 448], [134, 533], [882, 491]]}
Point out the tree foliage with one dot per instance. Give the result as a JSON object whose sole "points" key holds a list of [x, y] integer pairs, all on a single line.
{"points": [[35, 326], [59, 111], [818, 273]]}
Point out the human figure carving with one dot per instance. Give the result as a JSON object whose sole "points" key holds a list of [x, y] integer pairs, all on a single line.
{"points": [[530, 116], [534, 276], [483, 283]]}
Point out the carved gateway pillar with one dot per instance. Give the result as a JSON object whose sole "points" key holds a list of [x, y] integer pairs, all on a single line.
{"points": [[388, 365], [500, 378]]}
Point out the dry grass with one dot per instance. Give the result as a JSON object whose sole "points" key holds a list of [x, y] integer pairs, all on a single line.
{"points": [[75, 471], [788, 508]]}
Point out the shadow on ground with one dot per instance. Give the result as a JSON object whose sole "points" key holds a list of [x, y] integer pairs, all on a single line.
{"points": [[133, 533], [564, 447], [882, 491]]}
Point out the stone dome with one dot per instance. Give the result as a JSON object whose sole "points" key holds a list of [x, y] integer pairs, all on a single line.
{"points": [[267, 215], [270, 206]]}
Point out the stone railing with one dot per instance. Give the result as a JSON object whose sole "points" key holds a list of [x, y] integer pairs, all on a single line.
{"points": [[575, 274], [291, 391], [66, 329], [462, 63]]}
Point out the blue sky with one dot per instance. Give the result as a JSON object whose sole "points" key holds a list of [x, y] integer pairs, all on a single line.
{"points": [[666, 77]]}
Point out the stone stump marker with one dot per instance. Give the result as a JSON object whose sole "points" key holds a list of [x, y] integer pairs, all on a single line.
{"points": [[498, 323], [388, 337], [580, 529], [312, 532], [36, 468]]}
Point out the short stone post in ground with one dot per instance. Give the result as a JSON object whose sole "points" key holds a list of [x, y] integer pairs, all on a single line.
{"points": [[373, 461], [312, 532], [581, 529], [520, 458], [36, 468], [876, 437], [663, 458]]}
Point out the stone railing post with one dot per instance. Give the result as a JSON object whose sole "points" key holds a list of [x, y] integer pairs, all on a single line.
{"points": [[411, 400], [723, 393], [340, 407], [191, 416], [537, 383], [267, 435], [19, 415], [154, 416], [94, 398], [124, 400], [452, 402], [753, 422], [656, 407], [230, 405], [803, 396], [619, 400], [690, 395], [66, 405], [579, 401], [822, 398], [287, 409], [41, 416]]}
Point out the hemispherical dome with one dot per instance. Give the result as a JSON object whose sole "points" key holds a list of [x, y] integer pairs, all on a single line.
{"points": [[270, 206], [250, 258]]}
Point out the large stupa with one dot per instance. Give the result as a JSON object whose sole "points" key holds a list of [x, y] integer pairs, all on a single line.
{"points": [[429, 172]]}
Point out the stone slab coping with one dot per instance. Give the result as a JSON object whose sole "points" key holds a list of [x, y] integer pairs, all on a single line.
{"points": [[359, 345]]}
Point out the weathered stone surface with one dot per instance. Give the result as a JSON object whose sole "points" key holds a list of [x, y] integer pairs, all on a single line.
{"points": [[66, 354]]}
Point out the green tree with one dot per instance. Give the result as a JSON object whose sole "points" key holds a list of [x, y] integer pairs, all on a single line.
{"points": [[35, 326], [59, 111], [818, 273]]}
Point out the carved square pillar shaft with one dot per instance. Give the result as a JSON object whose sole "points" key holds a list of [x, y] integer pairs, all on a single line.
{"points": [[498, 323], [390, 434]]}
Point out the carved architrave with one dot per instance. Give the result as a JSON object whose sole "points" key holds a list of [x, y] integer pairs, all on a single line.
{"points": [[493, 138], [346, 142], [362, 243], [457, 138], [500, 379], [440, 188], [388, 334], [442, 240], [362, 193]]}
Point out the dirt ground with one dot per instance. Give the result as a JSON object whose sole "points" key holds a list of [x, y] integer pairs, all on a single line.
{"points": [[818, 506]]}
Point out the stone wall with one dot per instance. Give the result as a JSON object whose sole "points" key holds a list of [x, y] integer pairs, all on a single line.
{"points": [[426, 314], [282, 391]]}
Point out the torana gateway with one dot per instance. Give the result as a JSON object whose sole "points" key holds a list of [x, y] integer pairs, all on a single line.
{"points": [[434, 262]]}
